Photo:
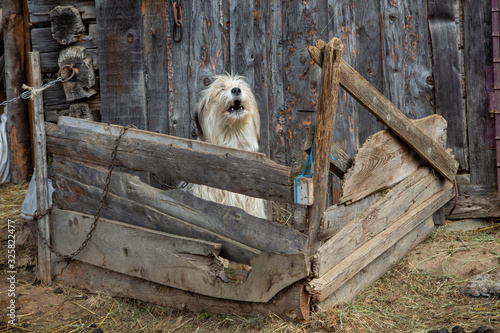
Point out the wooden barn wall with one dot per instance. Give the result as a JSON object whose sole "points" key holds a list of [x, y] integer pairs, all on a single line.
{"points": [[426, 56]]}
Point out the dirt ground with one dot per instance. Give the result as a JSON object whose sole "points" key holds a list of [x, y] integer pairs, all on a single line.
{"points": [[420, 294]]}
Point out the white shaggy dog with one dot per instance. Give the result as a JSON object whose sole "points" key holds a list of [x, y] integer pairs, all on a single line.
{"points": [[227, 115]]}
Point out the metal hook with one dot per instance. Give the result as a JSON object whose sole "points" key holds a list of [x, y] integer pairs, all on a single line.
{"points": [[177, 21], [73, 68]]}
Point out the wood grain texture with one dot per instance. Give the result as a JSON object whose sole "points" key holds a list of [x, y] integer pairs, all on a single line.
{"points": [[73, 195], [362, 256], [395, 205], [119, 33], [447, 79], [40, 10], [388, 114], [150, 154], [378, 267], [291, 303], [323, 138], [151, 255], [384, 160], [227, 221], [477, 56], [41, 173]]}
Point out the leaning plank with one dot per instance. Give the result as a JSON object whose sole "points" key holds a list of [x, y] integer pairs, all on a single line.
{"points": [[338, 216], [378, 267], [73, 195], [339, 274], [229, 222], [147, 151], [361, 90], [179, 262], [410, 193], [291, 303], [384, 160]]}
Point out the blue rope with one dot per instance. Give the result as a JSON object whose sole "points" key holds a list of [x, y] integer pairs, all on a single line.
{"points": [[309, 161]]}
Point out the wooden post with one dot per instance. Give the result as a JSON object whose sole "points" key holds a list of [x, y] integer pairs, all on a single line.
{"points": [[15, 72], [325, 121], [42, 191]]}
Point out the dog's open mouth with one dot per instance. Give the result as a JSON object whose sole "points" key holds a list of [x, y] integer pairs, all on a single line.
{"points": [[236, 107]]}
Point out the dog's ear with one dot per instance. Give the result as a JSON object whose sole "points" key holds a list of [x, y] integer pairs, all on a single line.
{"points": [[198, 126]]}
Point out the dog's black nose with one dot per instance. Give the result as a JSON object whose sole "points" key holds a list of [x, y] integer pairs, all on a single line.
{"points": [[236, 91]]}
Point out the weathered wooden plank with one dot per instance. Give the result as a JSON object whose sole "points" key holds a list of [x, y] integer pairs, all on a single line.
{"points": [[330, 281], [40, 9], [384, 160], [18, 123], [410, 193], [378, 267], [291, 303], [340, 163], [49, 64], [388, 114], [43, 42], [41, 174], [69, 196], [447, 75], [152, 255], [323, 138], [120, 40], [260, 178], [229, 222], [155, 64], [477, 55], [338, 216]]}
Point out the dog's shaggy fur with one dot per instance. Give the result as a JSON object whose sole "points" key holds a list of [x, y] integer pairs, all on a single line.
{"points": [[227, 115]]}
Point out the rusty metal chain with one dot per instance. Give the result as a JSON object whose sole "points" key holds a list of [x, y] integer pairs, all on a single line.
{"points": [[99, 208], [176, 6]]}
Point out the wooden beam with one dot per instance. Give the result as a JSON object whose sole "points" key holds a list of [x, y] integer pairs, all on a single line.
{"points": [[73, 195], [169, 156], [340, 273], [323, 138], [290, 304], [18, 123], [384, 160], [226, 221], [378, 267], [341, 161], [42, 188], [184, 263], [361, 90], [394, 206]]}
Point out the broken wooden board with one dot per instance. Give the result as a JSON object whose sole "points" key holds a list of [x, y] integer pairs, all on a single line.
{"points": [[377, 242], [376, 103], [72, 195], [384, 160], [226, 221], [378, 267], [390, 209], [184, 263], [168, 156], [290, 304]]}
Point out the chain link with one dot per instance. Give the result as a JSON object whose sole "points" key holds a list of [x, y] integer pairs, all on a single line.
{"points": [[27, 94], [99, 208]]}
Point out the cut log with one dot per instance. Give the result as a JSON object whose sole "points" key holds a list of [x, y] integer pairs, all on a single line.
{"points": [[378, 267], [323, 138], [291, 303], [81, 85], [75, 196], [183, 263], [361, 90], [384, 160], [67, 24], [167, 156], [394, 206], [328, 282], [227, 221]]}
